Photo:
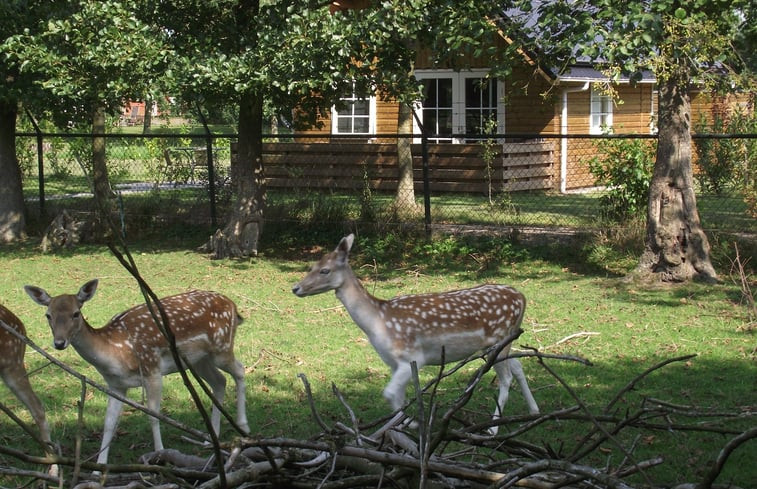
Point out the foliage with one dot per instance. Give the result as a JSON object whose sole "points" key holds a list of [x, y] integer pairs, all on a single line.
{"points": [[94, 53], [729, 162], [673, 40], [386, 38], [624, 166]]}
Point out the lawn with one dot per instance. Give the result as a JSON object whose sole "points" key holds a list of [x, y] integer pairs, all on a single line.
{"points": [[578, 304]]}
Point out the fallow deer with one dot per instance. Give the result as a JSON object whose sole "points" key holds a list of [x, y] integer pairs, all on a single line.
{"points": [[425, 328], [131, 351], [14, 373]]}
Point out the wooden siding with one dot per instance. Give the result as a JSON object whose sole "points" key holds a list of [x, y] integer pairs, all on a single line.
{"points": [[526, 110], [452, 167]]}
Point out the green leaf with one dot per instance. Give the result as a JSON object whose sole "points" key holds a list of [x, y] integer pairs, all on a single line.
{"points": [[680, 13]]}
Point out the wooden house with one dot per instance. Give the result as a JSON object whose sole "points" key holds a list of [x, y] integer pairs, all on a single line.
{"points": [[548, 121]]}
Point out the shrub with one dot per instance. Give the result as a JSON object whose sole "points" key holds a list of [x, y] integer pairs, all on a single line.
{"points": [[625, 167], [729, 162]]}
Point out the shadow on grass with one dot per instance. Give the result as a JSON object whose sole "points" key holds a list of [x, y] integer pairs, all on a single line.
{"points": [[700, 393]]}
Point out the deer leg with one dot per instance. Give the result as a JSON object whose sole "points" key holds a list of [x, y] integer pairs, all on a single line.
{"points": [[237, 372], [395, 389], [112, 412], [217, 383], [505, 376], [154, 391], [517, 370], [235, 368], [18, 382]]}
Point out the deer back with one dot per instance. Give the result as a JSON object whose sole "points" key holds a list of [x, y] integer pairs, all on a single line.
{"points": [[462, 321], [12, 347]]}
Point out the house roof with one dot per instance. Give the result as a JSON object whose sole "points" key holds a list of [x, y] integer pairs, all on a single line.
{"points": [[585, 72]]}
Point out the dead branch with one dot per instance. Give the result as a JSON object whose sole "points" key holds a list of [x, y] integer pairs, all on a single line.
{"points": [[729, 448]]}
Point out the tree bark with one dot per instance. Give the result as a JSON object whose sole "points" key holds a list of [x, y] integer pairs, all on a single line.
{"points": [[147, 121], [241, 235], [12, 217], [100, 178], [404, 200], [676, 248]]}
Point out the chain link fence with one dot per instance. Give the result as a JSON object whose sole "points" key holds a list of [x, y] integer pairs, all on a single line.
{"points": [[580, 182]]}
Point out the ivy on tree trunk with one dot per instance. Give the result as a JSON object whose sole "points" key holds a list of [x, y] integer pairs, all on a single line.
{"points": [[676, 247]]}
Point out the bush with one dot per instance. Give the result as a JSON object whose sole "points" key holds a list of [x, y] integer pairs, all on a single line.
{"points": [[730, 162], [625, 167]]}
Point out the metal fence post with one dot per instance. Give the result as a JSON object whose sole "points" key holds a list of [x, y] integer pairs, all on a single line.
{"points": [[211, 171], [426, 184], [40, 164]]}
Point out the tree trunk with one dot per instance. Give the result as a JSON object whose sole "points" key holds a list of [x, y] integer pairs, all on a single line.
{"points": [[12, 217], [242, 233], [147, 121], [102, 190], [676, 247], [404, 200]]}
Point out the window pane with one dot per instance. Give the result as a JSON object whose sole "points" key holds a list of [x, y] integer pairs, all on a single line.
{"points": [[445, 122], [445, 92], [472, 93], [361, 107], [344, 125], [361, 125], [429, 120], [429, 92]]}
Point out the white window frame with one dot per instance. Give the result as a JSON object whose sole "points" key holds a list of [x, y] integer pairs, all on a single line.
{"points": [[653, 111], [600, 110], [371, 116], [458, 99]]}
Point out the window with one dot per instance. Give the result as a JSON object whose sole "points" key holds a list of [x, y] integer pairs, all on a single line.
{"points": [[355, 114], [480, 105], [601, 111], [459, 103], [437, 107]]}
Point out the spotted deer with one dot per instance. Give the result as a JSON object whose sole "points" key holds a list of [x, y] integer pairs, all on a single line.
{"points": [[425, 328], [131, 351], [14, 373]]}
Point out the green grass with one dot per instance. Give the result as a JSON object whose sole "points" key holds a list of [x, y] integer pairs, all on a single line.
{"points": [[623, 328]]}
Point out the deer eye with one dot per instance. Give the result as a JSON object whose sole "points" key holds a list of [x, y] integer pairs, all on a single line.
{"points": [[48, 316], [325, 271], [76, 315]]}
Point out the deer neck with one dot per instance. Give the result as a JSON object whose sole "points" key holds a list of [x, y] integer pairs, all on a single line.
{"points": [[363, 308], [92, 344]]}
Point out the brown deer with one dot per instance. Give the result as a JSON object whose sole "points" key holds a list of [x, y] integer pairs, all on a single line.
{"points": [[14, 374], [131, 351], [425, 328]]}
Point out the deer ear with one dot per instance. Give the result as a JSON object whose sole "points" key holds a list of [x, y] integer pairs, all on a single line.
{"points": [[87, 291], [343, 249], [38, 295], [346, 243]]}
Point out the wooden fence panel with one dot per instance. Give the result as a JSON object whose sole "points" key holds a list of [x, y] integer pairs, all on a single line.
{"points": [[452, 167]]}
